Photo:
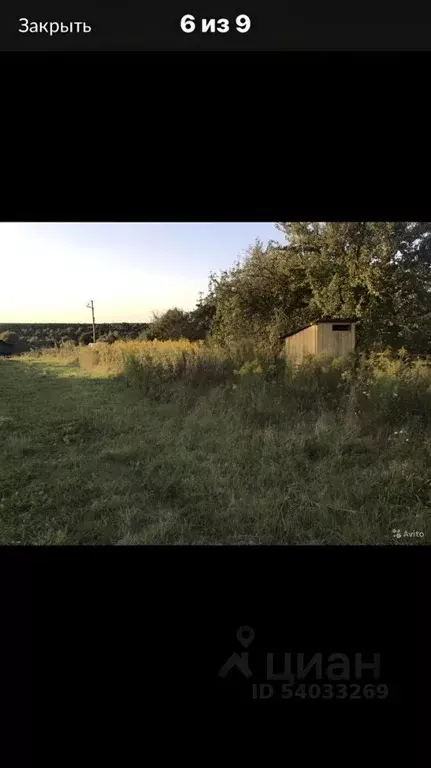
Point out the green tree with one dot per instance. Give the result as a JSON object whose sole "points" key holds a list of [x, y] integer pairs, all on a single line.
{"points": [[379, 272], [173, 324], [201, 317], [260, 298]]}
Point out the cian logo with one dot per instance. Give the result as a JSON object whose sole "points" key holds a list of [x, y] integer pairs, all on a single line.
{"points": [[277, 669], [245, 636]]}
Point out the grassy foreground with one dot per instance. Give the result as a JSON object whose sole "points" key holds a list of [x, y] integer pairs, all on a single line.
{"points": [[174, 443]]}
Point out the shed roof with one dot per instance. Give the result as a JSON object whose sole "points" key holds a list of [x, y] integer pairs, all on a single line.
{"points": [[322, 320]]}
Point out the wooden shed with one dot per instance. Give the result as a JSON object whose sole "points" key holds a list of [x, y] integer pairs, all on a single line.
{"points": [[334, 336], [5, 348]]}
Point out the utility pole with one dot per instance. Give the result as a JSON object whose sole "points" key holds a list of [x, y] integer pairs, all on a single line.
{"points": [[91, 306]]}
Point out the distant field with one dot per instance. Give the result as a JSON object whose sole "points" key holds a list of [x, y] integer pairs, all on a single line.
{"points": [[150, 443]]}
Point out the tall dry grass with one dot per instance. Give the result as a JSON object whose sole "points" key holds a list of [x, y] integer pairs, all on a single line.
{"points": [[213, 445], [380, 389]]}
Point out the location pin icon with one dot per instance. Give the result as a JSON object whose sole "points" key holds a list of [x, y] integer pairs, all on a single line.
{"points": [[245, 635]]}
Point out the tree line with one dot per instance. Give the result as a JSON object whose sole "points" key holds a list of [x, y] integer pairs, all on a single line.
{"points": [[378, 272], [34, 335]]}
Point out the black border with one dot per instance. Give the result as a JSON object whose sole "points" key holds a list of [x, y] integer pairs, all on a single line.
{"points": [[128, 641], [352, 200], [288, 136]]}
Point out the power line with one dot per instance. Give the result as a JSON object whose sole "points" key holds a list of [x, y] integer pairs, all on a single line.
{"points": [[91, 306]]}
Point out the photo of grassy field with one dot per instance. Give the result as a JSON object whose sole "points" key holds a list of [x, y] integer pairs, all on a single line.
{"points": [[288, 404]]}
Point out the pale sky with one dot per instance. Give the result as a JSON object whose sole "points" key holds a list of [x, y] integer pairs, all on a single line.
{"points": [[51, 271]]}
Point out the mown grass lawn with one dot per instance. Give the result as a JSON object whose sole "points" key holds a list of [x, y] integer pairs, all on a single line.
{"points": [[86, 459]]}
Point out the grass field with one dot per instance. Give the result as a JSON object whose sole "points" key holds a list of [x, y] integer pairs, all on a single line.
{"points": [[140, 443]]}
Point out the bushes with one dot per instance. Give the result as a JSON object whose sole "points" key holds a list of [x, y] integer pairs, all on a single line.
{"points": [[373, 393], [154, 374], [10, 337], [379, 391], [393, 389], [66, 353], [85, 338]]}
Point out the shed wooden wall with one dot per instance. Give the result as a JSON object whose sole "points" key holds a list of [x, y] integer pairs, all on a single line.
{"points": [[335, 343], [301, 344]]}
